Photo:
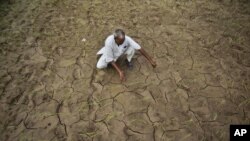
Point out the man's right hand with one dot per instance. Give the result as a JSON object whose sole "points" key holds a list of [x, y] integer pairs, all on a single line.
{"points": [[121, 73], [122, 76]]}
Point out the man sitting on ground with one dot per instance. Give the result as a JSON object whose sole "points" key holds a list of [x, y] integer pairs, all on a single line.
{"points": [[117, 45]]}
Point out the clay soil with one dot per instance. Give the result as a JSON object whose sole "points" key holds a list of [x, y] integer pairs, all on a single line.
{"points": [[50, 89]]}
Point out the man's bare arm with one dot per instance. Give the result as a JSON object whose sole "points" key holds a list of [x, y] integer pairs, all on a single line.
{"points": [[122, 77], [144, 53]]}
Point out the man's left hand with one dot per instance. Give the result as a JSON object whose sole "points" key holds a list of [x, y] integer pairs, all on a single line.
{"points": [[153, 63]]}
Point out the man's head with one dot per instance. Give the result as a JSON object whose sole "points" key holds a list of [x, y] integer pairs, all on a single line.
{"points": [[119, 36]]}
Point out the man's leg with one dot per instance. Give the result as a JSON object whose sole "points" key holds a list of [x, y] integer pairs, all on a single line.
{"points": [[101, 63], [130, 53]]}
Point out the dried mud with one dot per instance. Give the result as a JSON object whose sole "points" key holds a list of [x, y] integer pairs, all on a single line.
{"points": [[50, 89]]}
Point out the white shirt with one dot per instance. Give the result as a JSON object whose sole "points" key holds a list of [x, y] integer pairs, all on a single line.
{"points": [[112, 51]]}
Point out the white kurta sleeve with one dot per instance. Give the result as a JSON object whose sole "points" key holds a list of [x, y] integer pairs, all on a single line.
{"points": [[109, 54], [132, 43]]}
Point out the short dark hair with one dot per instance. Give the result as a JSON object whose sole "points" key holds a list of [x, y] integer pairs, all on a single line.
{"points": [[119, 33]]}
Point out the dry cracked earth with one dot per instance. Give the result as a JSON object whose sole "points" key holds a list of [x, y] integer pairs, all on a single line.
{"points": [[50, 89]]}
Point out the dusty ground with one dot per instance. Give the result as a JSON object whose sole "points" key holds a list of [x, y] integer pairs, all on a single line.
{"points": [[50, 89]]}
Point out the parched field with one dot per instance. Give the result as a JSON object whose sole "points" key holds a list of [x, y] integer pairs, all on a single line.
{"points": [[50, 89]]}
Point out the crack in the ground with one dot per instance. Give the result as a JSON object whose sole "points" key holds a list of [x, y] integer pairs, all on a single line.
{"points": [[130, 129], [199, 122], [152, 96], [93, 98], [59, 118], [189, 53], [25, 124]]}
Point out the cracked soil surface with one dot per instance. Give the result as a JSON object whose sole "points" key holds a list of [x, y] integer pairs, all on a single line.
{"points": [[50, 89]]}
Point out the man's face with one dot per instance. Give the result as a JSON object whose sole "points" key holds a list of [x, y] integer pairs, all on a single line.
{"points": [[119, 40]]}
